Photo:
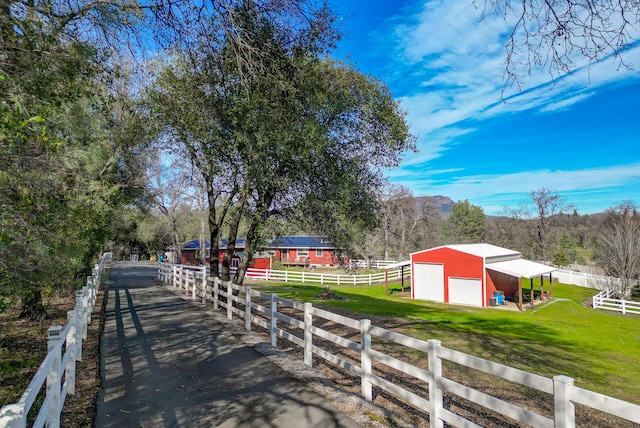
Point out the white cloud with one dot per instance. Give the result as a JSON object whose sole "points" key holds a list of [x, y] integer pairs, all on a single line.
{"points": [[448, 65], [457, 61], [516, 186], [566, 103]]}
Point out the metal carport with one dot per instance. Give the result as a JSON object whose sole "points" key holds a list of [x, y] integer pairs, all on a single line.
{"points": [[521, 268]]}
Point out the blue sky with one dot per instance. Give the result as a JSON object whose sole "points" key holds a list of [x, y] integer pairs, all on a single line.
{"points": [[579, 136]]}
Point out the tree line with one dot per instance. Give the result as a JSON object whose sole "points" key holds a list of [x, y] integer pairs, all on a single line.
{"points": [[121, 118], [545, 227], [110, 108]]}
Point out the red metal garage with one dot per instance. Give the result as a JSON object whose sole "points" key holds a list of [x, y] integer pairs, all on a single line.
{"points": [[468, 274]]}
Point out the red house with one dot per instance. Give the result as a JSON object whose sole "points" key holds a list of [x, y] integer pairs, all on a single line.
{"points": [[469, 274], [305, 251]]}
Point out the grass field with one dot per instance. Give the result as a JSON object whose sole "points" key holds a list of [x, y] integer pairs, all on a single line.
{"points": [[601, 350]]}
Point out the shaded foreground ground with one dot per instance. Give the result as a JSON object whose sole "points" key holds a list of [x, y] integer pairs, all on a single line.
{"points": [[165, 363]]}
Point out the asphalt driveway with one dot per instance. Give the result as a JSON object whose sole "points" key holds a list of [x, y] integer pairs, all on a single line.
{"points": [[165, 363]]}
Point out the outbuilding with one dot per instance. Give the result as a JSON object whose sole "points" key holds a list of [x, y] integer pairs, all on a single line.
{"points": [[470, 274]]}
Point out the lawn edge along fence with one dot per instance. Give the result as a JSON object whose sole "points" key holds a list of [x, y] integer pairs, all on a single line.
{"points": [[303, 277], [603, 300], [58, 369], [239, 300]]}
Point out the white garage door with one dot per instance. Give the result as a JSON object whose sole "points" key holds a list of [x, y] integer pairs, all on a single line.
{"points": [[465, 291], [428, 282]]}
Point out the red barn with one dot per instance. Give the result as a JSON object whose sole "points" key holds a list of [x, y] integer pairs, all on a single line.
{"points": [[469, 274]]}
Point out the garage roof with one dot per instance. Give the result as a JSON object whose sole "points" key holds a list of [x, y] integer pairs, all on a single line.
{"points": [[484, 250], [521, 268]]}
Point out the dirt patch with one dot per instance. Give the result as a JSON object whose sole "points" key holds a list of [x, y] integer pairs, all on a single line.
{"points": [[328, 294]]}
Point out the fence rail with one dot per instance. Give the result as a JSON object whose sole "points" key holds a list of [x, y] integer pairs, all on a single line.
{"points": [[303, 277], [371, 264], [583, 279], [422, 387], [603, 300], [57, 371]]}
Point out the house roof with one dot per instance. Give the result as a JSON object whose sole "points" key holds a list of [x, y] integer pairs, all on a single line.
{"points": [[240, 243], [521, 268], [480, 250], [194, 244], [285, 242]]}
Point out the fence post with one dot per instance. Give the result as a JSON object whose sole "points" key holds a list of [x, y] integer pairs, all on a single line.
{"points": [[229, 300], [86, 290], [193, 285], [624, 307], [247, 308], [308, 336], [174, 275], [13, 416], [435, 392], [72, 346], [54, 377], [565, 416], [216, 290], [365, 359], [273, 321], [204, 284], [79, 324]]}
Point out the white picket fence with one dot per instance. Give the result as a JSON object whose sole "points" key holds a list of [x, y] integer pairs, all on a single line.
{"points": [[58, 369], [303, 277], [303, 324], [603, 300]]}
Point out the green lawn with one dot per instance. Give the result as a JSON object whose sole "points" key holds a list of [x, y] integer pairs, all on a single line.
{"points": [[601, 350]]}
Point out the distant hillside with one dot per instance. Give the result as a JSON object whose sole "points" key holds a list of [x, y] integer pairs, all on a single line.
{"points": [[443, 203]]}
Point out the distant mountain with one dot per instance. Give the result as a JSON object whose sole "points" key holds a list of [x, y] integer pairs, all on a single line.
{"points": [[443, 203]]}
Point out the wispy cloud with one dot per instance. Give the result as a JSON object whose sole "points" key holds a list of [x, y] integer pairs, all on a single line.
{"points": [[480, 189], [449, 64], [565, 103]]}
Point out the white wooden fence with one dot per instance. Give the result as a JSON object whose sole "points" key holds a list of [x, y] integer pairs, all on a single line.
{"points": [[58, 369], [306, 326], [603, 300], [583, 279], [302, 277], [305, 277], [371, 264]]}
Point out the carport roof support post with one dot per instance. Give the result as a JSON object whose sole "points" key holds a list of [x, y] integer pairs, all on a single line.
{"points": [[520, 293]]}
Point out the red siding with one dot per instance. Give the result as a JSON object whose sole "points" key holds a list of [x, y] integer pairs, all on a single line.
{"points": [[500, 281], [327, 258], [456, 264]]}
